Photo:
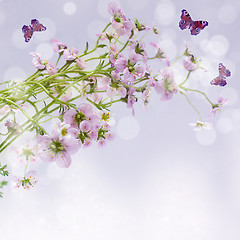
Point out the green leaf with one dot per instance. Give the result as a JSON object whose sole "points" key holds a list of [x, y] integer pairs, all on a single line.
{"points": [[101, 45], [86, 48]]}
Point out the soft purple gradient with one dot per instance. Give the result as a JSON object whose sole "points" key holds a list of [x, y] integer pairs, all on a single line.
{"points": [[167, 183]]}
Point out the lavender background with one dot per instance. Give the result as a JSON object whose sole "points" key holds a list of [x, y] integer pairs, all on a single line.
{"points": [[158, 179]]}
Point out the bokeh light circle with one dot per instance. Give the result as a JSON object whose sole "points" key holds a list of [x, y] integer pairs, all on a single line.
{"points": [[69, 8], [94, 28], [18, 39], [137, 5], [218, 45], [231, 94], [206, 137], [49, 33], [2, 18], [46, 50], [169, 47], [227, 14], [224, 125], [128, 128], [15, 74], [165, 12]]}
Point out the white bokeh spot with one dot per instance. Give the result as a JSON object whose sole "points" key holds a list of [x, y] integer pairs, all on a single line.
{"points": [[48, 34], [15, 74], [46, 50], [18, 39], [227, 14], [128, 128], [94, 28], [231, 94], [218, 45], [169, 47], [206, 137], [2, 18], [224, 125], [165, 12], [69, 8]]}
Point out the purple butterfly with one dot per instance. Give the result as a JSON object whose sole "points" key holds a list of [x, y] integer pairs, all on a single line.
{"points": [[220, 80], [187, 22], [34, 27]]}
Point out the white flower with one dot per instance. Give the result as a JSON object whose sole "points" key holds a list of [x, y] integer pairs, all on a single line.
{"points": [[198, 125]]}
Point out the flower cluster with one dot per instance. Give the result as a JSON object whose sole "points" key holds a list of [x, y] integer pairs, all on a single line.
{"points": [[76, 100]]}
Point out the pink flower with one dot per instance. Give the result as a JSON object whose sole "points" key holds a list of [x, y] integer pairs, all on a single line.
{"points": [[81, 63], [128, 77], [122, 91], [218, 107], [139, 49], [70, 54], [29, 152], [85, 126], [120, 23], [133, 58], [111, 92], [58, 46], [58, 149], [102, 143], [37, 61], [51, 69], [120, 64], [72, 117], [167, 86], [26, 182], [160, 53], [86, 109], [12, 126], [189, 64]]}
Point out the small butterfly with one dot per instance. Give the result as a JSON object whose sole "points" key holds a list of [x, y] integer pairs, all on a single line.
{"points": [[187, 22], [34, 27], [220, 80]]}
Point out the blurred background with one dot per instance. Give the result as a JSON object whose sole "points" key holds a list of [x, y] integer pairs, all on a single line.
{"points": [[158, 179]]}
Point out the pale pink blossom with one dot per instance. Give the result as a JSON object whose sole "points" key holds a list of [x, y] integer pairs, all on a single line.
{"points": [[81, 63], [167, 86], [120, 64], [218, 107], [26, 182], [122, 91], [102, 143], [120, 23], [37, 61], [51, 68], [58, 46], [58, 149], [160, 53], [86, 109], [70, 54], [189, 64], [85, 126], [111, 92]]}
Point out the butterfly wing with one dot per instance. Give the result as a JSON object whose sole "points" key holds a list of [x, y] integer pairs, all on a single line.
{"points": [[219, 81], [186, 20], [223, 71], [37, 26], [28, 32], [197, 26]]}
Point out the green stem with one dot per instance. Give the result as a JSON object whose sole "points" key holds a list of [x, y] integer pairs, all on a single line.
{"points": [[200, 118], [194, 90]]}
